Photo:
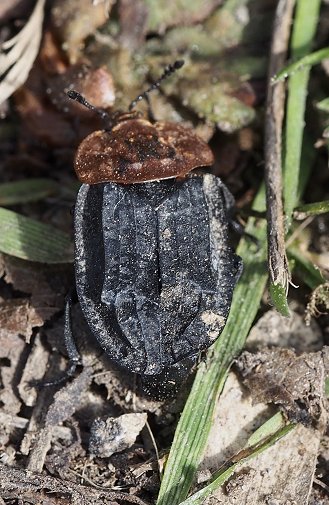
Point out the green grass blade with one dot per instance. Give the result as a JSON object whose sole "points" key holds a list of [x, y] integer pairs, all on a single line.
{"points": [[306, 19], [279, 299], [306, 165], [29, 239], [323, 105], [305, 269], [311, 209], [264, 438], [307, 61], [195, 422], [27, 190], [268, 428]]}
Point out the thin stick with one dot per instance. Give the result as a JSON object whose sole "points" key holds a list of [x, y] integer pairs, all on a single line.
{"points": [[17, 483], [277, 259]]}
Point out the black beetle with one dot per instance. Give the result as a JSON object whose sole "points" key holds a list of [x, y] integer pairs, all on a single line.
{"points": [[154, 269]]}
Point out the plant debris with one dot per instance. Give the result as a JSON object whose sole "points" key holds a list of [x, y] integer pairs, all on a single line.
{"points": [[296, 383], [27, 485], [318, 304], [16, 64], [239, 412]]}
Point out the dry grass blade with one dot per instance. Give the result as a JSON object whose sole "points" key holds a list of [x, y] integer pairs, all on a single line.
{"points": [[22, 51], [277, 259]]}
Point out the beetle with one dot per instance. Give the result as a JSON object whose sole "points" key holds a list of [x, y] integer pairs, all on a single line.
{"points": [[154, 268]]}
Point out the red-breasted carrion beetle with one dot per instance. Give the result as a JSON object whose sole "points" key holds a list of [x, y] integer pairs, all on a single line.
{"points": [[154, 269]]}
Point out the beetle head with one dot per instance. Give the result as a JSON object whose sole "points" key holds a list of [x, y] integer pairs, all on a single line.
{"points": [[134, 150]]}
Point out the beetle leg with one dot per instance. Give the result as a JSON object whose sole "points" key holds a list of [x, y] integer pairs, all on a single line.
{"points": [[239, 229], [72, 351], [71, 348], [228, 198]]}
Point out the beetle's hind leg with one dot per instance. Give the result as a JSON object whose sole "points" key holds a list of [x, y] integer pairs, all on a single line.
{"points": [[238, 228], [71, 348]]}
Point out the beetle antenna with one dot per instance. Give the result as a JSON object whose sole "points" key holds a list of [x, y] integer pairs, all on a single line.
{"points": [[170, 69], [75, 95]]}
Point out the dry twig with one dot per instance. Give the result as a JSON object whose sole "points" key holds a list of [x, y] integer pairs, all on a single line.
{"points": [[277, 259], [24, 484]]}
